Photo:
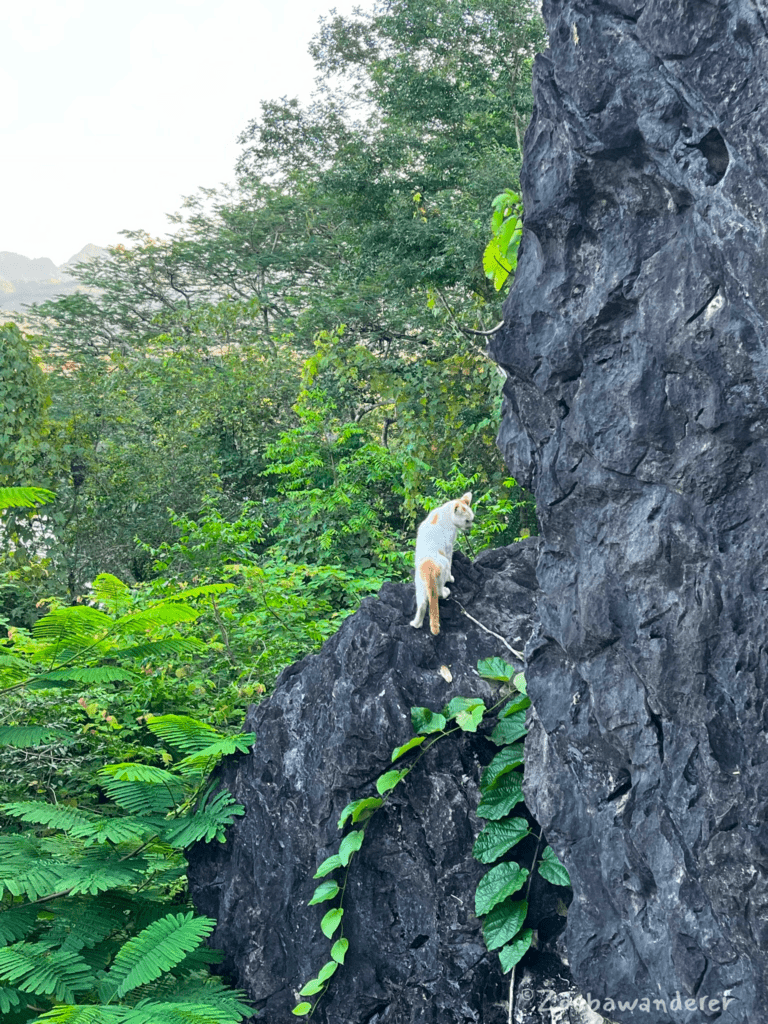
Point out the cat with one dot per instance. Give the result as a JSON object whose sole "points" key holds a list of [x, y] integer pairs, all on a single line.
{"points": [[434, 553]]}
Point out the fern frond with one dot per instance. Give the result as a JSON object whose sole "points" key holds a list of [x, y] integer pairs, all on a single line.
{"points": [[15, 667], [86, 1015], [9, 998], [154, 950], [210, 589], [24, 497], [85, 922], [70, 819], [71, 676], [158, 615], [16, 922], [78, 623], [149, 1012], [183, 732], [79, 823], [109, 589], [173, 646], [32, 735], [204, 760], [34, 967], [142, 789], [205, 824], [26, 870]]}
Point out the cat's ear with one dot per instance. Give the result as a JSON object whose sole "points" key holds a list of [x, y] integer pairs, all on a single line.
{"points": [[466, 498]]}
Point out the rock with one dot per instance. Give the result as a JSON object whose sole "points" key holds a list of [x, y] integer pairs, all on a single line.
{"points": [[416, 949], [637, 410]]}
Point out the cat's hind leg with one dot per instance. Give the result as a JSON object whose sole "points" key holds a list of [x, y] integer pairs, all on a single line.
{"points": [[422, 601]]}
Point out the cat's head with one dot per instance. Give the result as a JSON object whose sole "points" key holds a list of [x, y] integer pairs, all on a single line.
{"points": [[461, 512]]}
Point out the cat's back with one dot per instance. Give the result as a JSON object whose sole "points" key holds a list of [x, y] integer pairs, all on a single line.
{"points": [[432, 532]]}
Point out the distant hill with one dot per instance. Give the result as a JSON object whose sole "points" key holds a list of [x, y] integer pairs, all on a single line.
{"points": [[24, 280]]}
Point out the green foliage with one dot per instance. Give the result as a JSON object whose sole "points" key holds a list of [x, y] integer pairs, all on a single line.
{"points": [[501, 790], [500, 256], [85, 898]]}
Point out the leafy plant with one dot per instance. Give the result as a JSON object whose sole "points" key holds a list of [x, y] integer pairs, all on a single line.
{"points": [[94, 925], [501, 790], [500, 256]]}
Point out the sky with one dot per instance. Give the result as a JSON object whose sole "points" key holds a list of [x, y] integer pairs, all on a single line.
{"points": [[111, 112]]}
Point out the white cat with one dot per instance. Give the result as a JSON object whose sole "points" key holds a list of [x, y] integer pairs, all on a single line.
{"points": [[434, 553]]}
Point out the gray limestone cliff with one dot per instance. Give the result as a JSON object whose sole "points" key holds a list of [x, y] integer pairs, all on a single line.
{"points": [[416, 952], [636, 344]]}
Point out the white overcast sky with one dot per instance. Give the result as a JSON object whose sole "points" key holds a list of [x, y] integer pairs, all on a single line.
{"points": [[111, 112]]}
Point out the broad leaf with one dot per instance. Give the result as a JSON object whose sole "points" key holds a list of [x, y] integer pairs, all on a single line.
{"points": [[329, 864], [426, 721], [496, 669], [501, 881], [504, 922], [415, 742], [324, 891], [339, 950], [505, 761], [389, 780], [498, 837], [509, 729], [331, 922], [349, 845], [551, 868], [515, 951], [499, 799]]}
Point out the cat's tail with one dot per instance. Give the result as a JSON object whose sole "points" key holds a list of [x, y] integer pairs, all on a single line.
{"points": [[430, 574]]}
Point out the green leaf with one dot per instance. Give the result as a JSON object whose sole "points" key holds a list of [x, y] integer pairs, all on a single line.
{"points": [[16, 922], [415, 742], [503, 923], [69, 676], [339, 950], [500, 798], [313, 986], [24, 497], [327, 970], [469, 720], [518, 703], [359, 810], [156, 949], [498, 883], [509, 729], [505, 761], [515, 951], [389, 780], [468, 712], [183, 732], [498, 837], [34, 967], [425, 721], [349, 845], [331, 922], [551, 868], [328, 865], [302, 1009], [324, 891], [31, 735], [496, 669], [520, 684]]}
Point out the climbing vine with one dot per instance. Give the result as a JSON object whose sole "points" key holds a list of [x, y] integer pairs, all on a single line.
{"points": [[501, 790]]}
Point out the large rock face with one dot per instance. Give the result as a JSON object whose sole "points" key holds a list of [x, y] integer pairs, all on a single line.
{"points": [[416, 950], [636, 344]]}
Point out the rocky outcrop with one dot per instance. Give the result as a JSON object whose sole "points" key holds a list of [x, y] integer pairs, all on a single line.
{"points": [[416, 950], [636, 344]]}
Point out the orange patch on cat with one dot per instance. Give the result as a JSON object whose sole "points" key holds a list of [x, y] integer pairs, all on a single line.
{"points": [[434, 519], [430, 573]]}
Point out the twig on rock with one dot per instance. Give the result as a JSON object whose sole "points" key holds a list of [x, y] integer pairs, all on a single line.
{"points": [[517, 654]]}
